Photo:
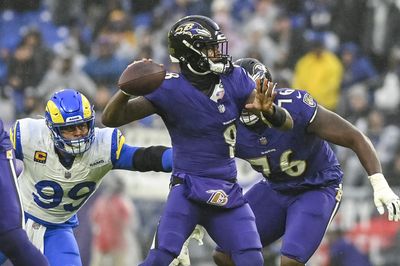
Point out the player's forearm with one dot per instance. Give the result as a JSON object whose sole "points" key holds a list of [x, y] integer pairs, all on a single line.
{"points": [[121, 110], [114, 112], [367, 155], [154, 158], [348, 136], [144, 159]]}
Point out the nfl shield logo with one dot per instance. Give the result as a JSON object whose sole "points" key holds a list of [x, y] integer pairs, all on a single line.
{"points": [[263, 141], [67, 175], [221, 108]]}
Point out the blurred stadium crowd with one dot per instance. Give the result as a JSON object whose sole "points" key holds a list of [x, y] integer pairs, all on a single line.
{"points": [[346, 53]]}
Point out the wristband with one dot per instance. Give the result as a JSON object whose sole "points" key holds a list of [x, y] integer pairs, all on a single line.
{"points": [[277, 119], [378, 181]]}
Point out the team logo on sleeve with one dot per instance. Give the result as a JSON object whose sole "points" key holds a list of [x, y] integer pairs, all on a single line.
{"points": [[339, 193], [308, 99], [9, 154], [218, 197], [40, 157]]}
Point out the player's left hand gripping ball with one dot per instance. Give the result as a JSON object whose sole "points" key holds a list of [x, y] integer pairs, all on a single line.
{"points": [[141, 77]]}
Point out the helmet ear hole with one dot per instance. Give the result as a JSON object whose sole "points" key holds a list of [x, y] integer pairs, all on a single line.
{"points": [[203, 63]]}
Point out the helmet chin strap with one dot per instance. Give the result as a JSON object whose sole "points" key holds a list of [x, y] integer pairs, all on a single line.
{"points": [[197, 72], [217, 67]]}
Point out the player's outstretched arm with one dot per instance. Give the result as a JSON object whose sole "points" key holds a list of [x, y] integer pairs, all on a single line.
{"points": [[144, 159], [333, 128], [122, 110], [261, 103]]}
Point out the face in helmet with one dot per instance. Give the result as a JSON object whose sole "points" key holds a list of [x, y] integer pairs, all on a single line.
{"points": [[70, 118], [197, 43], [256, 70]]}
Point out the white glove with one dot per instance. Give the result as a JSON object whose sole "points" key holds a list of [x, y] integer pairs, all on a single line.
{"points": [[183, 259], [384, 196]]}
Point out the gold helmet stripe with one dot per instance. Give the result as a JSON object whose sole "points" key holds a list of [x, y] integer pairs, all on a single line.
{"points": [[87, 110], [13, 131], [120, 141], [54, 112]]}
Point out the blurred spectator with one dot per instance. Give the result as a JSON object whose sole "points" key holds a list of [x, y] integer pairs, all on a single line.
{"points": [[387, 97], [65, 74], [289, 39], [97, 11], [344, 253], [260, 46], [147, 47], [20, 5], [393, 169], [318, 14], [384, 137], [103, 95], [103, 66], [382, 25], [32, 105], [172, 10], [256, 31], [113, 217], [80, 38], [243, 9], [21, 75], [118, 30], [320, 72], [348, 18], [263, 18], [142, 12], [42, 55], [357, 67], [356, 106], [65, 12], [221, 10]]}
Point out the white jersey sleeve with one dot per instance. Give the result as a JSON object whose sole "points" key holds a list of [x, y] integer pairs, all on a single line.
{"points": [[51, 192]]}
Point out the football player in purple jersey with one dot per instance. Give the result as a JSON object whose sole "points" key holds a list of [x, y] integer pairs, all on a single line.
{"points": [[302, 187], [14, 242], [200, 107]]}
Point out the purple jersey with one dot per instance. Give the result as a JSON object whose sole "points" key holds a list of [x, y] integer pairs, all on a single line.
{"points": [[10, 203], [5, 143], [290, 160], [202, 128]]}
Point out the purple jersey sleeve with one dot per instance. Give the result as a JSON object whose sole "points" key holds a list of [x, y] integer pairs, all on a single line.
{"points": [[300, 104], [5, 143]]}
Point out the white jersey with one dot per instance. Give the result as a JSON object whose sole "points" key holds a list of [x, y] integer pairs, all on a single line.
{"points": [[51, 192]]}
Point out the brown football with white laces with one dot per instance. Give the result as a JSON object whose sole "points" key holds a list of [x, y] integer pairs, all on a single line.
{"points": [[141, 77]]}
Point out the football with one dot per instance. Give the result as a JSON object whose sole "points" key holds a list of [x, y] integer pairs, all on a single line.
{"points": [[141, 77]]}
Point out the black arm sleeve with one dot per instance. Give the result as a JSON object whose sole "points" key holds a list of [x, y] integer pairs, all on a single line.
{"points": [[278, 118], [149, 159]]}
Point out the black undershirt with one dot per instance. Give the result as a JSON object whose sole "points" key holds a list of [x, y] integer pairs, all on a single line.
{"points": [[204, 83]]}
